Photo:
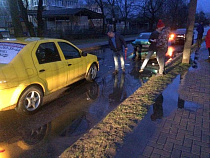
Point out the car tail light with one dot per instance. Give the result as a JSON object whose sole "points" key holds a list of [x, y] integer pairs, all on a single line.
{"points": [[2, 150], [171, 37]]}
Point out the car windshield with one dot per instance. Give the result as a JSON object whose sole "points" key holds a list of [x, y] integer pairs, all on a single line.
{"points": [[8, 51], [144, 36], [183, 31]]}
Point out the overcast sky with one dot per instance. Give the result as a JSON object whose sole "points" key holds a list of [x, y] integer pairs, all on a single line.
{"points": [[203, 5]]}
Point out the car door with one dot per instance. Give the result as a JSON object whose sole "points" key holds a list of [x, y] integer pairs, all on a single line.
{"points": [[76, 64], [50, 67]]}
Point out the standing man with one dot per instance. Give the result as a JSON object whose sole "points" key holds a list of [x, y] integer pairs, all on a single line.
{"points": [[152, 48], [162, 46], [200, 31], [1, 36], [116, 43]]}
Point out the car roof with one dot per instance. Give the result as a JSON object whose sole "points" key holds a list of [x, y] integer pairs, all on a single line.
{"points": [[25, 40], [146, 33], [180, 30]]}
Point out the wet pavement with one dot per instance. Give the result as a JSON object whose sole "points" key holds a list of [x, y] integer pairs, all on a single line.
{"points": [[177, 125], [72, 111]]}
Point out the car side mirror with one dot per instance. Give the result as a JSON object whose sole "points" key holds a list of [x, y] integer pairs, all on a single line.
{"points": [[84, 54]]}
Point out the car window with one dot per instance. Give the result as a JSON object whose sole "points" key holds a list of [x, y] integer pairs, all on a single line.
{"points": [[8, 51], [69, 51], [47, 52], [5, 34], [144, 36]]}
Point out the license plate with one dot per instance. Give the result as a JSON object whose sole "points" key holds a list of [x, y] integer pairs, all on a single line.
{"points": [[146, 46]]}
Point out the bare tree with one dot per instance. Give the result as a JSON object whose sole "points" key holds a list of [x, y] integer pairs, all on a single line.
{"points": [[24, 15], [125, 8], [101, 4], [151, 11], [18, 30], [40, 21], [112, 5], [189, 35], [176, 12]]}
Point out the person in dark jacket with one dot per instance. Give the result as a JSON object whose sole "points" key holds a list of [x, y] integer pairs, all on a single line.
{"points": [[116, 43], [1, 36], [152, 48], [200, 30]]}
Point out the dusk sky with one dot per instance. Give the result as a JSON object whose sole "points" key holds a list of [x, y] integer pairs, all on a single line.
{"points": [[203, 5]]}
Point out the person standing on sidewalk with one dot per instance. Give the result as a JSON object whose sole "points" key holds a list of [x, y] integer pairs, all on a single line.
{"points": [[116, 43], [162, 46], [200, 30], [1, 36], [152, 48], [208, 42]]}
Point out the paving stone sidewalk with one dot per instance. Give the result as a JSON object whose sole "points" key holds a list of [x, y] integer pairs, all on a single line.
{"points": [[186, 133]]}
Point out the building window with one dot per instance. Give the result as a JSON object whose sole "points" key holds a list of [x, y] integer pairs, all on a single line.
{"points": [[52, 3], [35, 2], [44, 2], [68, 4], [3, 4], [60, 3]]}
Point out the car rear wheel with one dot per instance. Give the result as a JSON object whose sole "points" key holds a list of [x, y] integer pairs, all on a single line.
{"points": [[92, 73], [30, 100]]}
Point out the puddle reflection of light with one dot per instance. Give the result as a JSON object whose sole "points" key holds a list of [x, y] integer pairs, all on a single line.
{"points": [[170, 51]]}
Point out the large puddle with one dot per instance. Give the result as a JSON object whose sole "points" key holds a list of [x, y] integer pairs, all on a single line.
{"points": [[72, 111], [165, 105]]}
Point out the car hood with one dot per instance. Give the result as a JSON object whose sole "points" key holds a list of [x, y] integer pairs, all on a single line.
{"points": [[141, 41]]}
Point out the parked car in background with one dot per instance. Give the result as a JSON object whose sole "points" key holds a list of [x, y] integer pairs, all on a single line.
{"points": [[31, 68], [179, 36], [4, 33], [142, 40], [141, 45]]}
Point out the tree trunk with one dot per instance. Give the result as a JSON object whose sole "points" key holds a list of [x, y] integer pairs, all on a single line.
{"points": [[24, 14], [40, 29], [189, 35], [18, 30]]}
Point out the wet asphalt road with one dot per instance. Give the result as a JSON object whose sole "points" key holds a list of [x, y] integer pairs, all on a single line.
{"points": [[71, 111]]}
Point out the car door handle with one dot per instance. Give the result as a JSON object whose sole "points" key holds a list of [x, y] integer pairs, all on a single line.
{"points": [[42, 70], [69, 64]]}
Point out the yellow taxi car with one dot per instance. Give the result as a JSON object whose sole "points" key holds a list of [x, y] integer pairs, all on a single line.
{"points": [[31, 68]]}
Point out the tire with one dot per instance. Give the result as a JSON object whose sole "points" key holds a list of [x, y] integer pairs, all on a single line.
{"points": [[93, 90], [30, 100], [92, 73]]}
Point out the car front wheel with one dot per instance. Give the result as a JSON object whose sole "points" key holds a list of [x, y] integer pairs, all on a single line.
{"points": [[92, 73], [30, 100]]}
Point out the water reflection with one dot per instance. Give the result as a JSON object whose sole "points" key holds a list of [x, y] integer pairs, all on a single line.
{"points": [[170, 100], [157, 108], [65, 117], [118, 94]]}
